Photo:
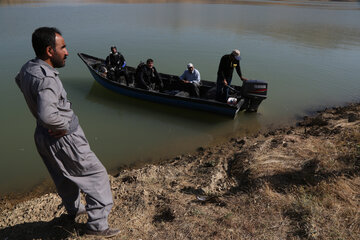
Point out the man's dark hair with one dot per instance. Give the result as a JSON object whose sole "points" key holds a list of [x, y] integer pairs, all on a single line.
{"points": [[149, 60], [42, 38]]}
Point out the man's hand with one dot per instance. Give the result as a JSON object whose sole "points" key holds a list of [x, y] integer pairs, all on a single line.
{"points": [[244, 79], [225, 82], [57, 134]]}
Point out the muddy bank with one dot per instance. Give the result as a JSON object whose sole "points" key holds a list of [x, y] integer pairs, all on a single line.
{"points": [[298, 182]]}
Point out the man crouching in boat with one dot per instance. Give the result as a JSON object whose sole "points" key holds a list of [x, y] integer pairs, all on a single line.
{"points": [[147, 77], [190, 81]]}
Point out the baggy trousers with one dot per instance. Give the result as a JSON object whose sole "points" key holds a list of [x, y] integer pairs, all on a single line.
{"points": [[74, 167]]}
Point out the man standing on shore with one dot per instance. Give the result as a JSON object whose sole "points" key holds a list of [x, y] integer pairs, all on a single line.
{"points": [[59, 138]]}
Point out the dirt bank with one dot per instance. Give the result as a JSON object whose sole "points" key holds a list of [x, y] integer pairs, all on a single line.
{"points": [[300, 182]]}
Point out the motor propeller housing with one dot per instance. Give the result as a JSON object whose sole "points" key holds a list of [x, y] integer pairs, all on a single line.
{"points": [[253, 92]]}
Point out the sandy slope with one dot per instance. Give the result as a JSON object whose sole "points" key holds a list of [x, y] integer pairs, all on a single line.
{"points": [[300, 182]]}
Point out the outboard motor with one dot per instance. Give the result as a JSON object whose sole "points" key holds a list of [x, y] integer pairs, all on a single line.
{"points": [[253, 92]]}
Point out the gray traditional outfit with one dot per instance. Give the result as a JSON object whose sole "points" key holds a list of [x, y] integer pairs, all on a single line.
{"points": [[69, 159]]}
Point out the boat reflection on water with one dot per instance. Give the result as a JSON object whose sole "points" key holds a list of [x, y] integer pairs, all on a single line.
{"points": [[209, 123]]}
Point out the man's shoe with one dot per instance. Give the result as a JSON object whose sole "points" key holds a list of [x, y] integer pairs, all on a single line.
{"points": [[110, 232]]}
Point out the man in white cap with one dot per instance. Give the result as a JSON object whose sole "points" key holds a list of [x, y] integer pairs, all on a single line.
{"points": [[224, 75], [191, 80]]}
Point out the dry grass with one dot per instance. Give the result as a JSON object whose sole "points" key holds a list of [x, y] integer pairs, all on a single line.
{"points": [[297, 183]]}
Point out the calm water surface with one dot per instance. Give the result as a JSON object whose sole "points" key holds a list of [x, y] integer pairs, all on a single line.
{"points": [[309, 54]]}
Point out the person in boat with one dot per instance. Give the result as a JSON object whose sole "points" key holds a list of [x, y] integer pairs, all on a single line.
{"points": [[116, 65], [190, 81], [147, 77], [59, 137], [225, 72]]}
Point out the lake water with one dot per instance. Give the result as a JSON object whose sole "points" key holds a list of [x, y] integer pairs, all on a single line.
{"points": [[309, 53]]}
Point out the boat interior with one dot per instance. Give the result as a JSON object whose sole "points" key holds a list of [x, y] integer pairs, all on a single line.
{"points": [[207, 89]]}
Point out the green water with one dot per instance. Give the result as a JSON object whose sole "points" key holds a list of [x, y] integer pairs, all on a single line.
{"points": [[308, 53]]}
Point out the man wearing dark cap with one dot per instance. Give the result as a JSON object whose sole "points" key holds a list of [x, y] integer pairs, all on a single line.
{"points": [[224, 75], [60, 139]]}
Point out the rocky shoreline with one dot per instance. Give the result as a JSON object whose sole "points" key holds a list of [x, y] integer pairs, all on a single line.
{"points": [[298, 182]]}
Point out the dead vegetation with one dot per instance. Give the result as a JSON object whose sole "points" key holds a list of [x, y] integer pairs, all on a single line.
{"points": [[297, 183]]}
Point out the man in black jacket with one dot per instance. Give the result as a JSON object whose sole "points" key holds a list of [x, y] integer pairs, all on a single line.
{"points": [[148, 78], [116, 65], [224, 75]]}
